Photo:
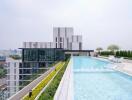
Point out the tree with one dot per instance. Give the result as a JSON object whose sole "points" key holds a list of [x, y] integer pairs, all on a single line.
{"points": [[2, 72], [129, 54], [16, 57], [99, 49], [113, 48], [118, 53]]}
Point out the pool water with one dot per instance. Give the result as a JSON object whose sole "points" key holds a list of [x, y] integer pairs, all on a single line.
{"points": [[109, 85], [83, 62]]}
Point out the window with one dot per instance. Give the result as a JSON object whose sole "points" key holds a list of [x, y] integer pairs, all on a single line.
{"points": [[8, 77], [56, 45], [80, 46], [30, 55], [60, 45], [14, 71], [60, 39], [8, 71], [14, 77], [14, 64], [15, 87], [8, 83]]}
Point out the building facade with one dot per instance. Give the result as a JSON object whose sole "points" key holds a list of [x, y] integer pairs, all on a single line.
{"points": [[38, 45], [63, 37], [35, 61], [12, 76]]}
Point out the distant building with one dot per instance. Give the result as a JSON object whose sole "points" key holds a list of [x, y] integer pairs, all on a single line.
{"points": [[63, 37], [2, 61], [7, 53], [12, 76]]}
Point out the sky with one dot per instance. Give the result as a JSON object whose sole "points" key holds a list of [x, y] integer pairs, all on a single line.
{"points": [[100, 22]]}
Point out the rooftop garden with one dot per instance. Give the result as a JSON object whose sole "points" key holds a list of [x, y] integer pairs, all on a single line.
{"points": [[15, 57], [50, 91], [36, 90]]}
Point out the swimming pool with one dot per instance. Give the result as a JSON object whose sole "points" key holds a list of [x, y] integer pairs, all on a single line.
{"points": [[99, 85]]}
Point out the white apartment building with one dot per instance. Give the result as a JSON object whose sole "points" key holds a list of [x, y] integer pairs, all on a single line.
{"points": [[38, 45], [76, 42], [12, 76], [63, 37]]}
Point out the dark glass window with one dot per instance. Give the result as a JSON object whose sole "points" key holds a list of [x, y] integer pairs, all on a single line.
{"points": [[56, 45], [30, 55], [60, 45], [42, 55], [60, 39]]}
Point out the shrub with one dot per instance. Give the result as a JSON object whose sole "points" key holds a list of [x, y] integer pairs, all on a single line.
{"points": [[106, 53], [2, 72], [126, 54]]}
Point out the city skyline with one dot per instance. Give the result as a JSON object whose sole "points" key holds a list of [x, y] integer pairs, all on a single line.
{"points": [[100, 23]]}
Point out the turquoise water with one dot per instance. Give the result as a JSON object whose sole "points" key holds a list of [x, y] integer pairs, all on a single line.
{"points": [[88, 63], [99, 85]]}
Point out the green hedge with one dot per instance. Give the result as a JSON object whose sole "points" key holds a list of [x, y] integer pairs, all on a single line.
{"points": [[107, 53], [48, 94], [126, 54]]}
